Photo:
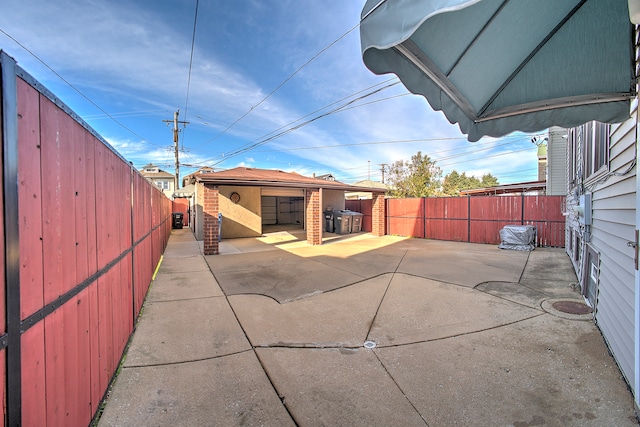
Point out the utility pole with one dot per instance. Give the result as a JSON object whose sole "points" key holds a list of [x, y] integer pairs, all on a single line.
{"points": [[382, 170], [176, 144]]}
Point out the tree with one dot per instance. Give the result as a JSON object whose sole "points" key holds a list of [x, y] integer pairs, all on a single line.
{"points": [[489, 180], [454, 182], [418, 178]]}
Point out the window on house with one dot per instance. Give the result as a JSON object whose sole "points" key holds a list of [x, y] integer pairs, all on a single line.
{"points": [[596, 148], [162, 184]]}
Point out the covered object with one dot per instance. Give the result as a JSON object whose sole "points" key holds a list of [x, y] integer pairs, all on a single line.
{"points": [[518, 237], [497, 66]]}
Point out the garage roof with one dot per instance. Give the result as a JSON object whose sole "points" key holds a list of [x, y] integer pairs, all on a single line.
{"points": [[275, 178]]}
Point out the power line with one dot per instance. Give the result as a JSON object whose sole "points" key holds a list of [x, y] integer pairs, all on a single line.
{"points": [[266, 140], [399, 141], [193, 42], [283, 83], [485, 157]]}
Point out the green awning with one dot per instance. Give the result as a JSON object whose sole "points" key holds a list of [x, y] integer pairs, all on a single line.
{"points": [[497, 66]]}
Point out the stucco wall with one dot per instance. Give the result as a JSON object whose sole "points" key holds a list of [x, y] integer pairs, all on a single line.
{"points": [[244, 218], [196, 224], [332, 199]]}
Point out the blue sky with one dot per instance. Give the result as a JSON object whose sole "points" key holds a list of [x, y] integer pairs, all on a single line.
{"points": [[131, 58]]}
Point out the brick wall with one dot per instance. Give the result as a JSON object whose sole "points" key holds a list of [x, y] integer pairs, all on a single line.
{"points": [[211, 230], [314, 224], [378, 215]]}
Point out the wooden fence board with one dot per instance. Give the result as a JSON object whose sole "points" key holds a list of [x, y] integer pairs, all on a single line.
{"points": [[58, 200], [82, 190], [34, 397], [487, 232], [446, 207], [502, 208], [125, 309], [447, 229], [83, 368], [55, 385], [29, 203], [540, 208], [95, 389], [90, 201], [364, 206], [69, 347], [405, 208], [412, 227], [105, 329]]}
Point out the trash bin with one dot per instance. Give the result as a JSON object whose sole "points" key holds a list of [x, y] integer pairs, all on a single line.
{"points": [[342, 222], [329, 227], [178, 219], [356, 222]]}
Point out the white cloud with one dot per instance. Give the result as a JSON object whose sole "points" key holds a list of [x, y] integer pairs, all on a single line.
{"points": [[132, 56]]}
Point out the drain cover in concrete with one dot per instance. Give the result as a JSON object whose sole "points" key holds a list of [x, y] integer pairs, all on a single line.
{"points": [[572, 307]]}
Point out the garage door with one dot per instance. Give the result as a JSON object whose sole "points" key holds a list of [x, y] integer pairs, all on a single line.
{"points": [[269, 210]]}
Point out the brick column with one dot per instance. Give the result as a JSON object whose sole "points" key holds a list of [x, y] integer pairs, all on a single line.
{"points": [[314, 217], [378, 215], [210, 220]]}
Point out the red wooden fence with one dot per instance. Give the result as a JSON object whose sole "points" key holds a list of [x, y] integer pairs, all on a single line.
{"points": [[182, 205], [476, 219], [90, 232], [363, 206]]}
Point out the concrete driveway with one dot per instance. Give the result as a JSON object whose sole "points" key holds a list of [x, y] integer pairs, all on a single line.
{"points": [[365, 331]]}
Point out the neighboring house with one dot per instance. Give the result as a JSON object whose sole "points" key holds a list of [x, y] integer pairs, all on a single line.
{"points": [[326, 177], [163, 180], [556, 164], [359, 195], [601, 231], [191, 178]]}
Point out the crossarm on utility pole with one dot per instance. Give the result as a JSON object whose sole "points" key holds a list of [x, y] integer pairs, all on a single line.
{"points": [[176, 145]]}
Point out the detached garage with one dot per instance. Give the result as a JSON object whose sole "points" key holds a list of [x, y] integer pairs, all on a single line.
{"points": [[250, 199]]}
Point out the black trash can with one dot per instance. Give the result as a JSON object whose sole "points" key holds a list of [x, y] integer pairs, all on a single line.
{"points": [[178, 219], [342, 222], [328, 222]]}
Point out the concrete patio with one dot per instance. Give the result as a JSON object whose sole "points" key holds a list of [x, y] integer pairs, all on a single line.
{"points": [[277, 332]]}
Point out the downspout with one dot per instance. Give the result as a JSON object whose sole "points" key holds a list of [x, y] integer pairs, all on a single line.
{"points": [[636, 335]]}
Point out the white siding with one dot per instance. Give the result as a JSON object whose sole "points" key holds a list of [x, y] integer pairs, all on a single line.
{"points": [[556, 162], [614, 201]]}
